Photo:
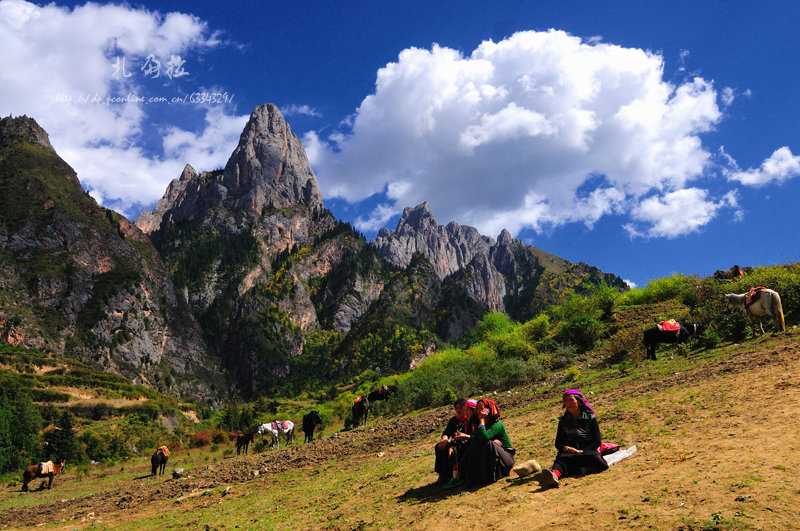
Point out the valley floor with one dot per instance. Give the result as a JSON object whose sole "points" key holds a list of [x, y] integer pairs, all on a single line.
{"points": [[717, 435]]}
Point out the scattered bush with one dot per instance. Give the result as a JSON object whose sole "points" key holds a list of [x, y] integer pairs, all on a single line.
{"points": [[709, 339], [683, 349], [581, 331], [571, 374], [623, 345]]}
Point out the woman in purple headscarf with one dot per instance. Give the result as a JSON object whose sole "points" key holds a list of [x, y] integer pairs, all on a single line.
{"points": [[577, 441]]}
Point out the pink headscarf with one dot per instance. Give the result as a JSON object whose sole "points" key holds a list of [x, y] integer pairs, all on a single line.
{"points": [[471, 403], [579, 396]]}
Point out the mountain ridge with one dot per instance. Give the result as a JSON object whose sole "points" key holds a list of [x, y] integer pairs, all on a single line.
{"points": [[276, 289]]}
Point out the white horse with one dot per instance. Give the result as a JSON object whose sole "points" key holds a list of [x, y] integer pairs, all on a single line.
{"points": [[767, 303], [276, 428]]}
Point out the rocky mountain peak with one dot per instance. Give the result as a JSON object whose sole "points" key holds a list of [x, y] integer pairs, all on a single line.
{"points": [[269, 167], [188, 173], [417, 218], [23, 129], [449, 248]]}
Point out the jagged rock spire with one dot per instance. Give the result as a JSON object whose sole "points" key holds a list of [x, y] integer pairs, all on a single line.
{"points": [[268, 168]]}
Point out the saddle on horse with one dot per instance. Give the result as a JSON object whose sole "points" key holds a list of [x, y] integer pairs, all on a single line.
{"points": [[669, 326], [752, 296], [46, 467], [163, 450], [279, 425]]}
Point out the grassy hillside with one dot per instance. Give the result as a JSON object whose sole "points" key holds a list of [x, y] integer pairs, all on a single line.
{"points": [[58, 407], [703, 418], [114, 420]]}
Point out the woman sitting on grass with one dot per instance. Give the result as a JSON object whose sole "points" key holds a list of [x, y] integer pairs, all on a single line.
{"points": [[446, 450], [577, 441], [489, 455]]}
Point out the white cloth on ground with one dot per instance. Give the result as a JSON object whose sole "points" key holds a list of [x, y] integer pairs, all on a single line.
{"points": [[620, 455]]}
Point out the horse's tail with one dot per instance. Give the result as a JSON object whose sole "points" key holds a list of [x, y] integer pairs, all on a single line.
{"points": [[777, 309]]}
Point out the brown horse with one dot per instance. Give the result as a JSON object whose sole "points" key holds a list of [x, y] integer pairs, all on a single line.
{"points": [[42, 470], [243, 442], [360, 411], [158, 461]]}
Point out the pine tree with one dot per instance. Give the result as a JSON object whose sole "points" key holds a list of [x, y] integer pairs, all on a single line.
{"points": [[64, 444]]}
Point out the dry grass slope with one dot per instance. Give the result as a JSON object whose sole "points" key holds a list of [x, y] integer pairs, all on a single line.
{"points": [[715, 432]]}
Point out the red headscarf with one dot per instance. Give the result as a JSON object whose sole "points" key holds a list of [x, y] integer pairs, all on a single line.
{"points": [[494, 411]]}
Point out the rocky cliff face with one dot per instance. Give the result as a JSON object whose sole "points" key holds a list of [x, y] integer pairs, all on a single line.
{"points": [[503, 275], [81, 280], [258, 306], [449, 248], [267, 171]]}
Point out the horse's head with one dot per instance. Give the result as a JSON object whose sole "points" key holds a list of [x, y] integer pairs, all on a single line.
{"points": [[728, 299]]}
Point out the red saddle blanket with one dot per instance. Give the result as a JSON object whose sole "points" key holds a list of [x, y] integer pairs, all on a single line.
{"points": [[280, 425], [669, 326]]}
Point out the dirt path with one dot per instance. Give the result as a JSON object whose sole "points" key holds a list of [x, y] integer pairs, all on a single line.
{"points": [[718, 445]]}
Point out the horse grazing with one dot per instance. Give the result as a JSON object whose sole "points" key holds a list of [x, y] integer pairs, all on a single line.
{"points": [[310, 422], [657, 334], [276, 428], [158, 461], [243, 441], [360, 411], [381, 393], [48, 469], [758, 302]]}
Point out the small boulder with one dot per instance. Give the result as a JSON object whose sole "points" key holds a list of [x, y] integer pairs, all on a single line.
{"points": [[177, 473], [526, 468]]}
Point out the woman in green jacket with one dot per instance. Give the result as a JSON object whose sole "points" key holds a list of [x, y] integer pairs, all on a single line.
{"points": [[489, 455]]}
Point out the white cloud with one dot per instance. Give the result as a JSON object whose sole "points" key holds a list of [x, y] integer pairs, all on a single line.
{"points": [[57, 60], [377, 219], [780, 166], [212, 147], [676, 213], [515, 134], [295, 109]]}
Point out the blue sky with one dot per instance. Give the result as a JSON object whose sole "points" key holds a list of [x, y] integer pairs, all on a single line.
{"points": [[643, 139]]}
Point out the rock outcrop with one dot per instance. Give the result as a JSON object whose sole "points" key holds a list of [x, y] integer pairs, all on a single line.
{"points": [[81, 280], [504, 275], [268, 170]]}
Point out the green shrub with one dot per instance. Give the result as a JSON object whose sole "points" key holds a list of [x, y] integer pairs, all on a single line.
{"points": [[571, 374], [581, 331], [536, 328], [709, 339], [623, 344], [604, 298], [679, 287], [683, 349], [493, 323], [47, 395]]}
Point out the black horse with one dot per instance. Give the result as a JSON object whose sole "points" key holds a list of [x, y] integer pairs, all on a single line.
{"points": [[655, 335], [360, 412], [310, 422], [243, 441], [158, 462], [381, 393]]}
